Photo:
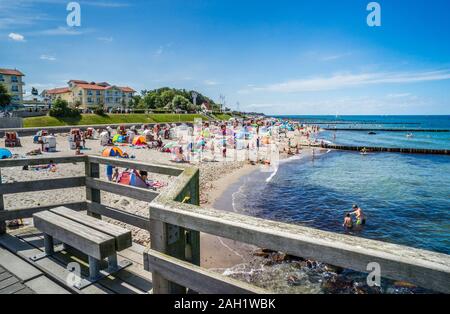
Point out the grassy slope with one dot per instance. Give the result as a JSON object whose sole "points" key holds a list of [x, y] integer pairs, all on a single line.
{"points": [[223, 117], [92, 119]]}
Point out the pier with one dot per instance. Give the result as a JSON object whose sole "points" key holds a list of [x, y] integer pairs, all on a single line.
{"points": [[171, 264], [370, 149], [388, 130]]}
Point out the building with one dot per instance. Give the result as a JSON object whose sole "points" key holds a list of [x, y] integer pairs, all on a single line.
{"points": [[12, 80], [88, 95]]}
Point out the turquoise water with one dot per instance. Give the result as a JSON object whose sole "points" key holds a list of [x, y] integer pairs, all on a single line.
{"points": [[406, 197]]}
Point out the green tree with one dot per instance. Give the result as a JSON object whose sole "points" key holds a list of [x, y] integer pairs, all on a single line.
{"points": [[181, 103], [5, 97], [167, 97], [61, 109], [34, 91]]}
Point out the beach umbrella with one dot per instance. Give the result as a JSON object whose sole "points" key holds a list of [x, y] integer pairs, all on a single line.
{"points": [[4, 153], [117, 138], [139, 140], [112, 152], [171, 145]]}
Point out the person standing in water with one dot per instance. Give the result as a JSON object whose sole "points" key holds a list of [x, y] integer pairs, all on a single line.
{"points": [[348, 221], [360, 217]]}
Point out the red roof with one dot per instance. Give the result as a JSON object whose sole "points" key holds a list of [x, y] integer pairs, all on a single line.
{"points": [[126, 89], [78, 82], [61, 90], [11, 72], [91, 86]]}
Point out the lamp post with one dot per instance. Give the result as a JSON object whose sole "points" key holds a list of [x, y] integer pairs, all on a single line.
{"points": [[194, 98]]}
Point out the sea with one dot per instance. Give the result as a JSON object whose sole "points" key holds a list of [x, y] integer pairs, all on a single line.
{"points": [[406, 197]]}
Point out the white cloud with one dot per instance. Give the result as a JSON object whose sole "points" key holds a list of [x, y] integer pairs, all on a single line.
{"points": [[47, 58], [210, 82], [106, 39], [398, 95], [342, 81], [159, 51], [60, 31], [16, 37], [335, 57]]}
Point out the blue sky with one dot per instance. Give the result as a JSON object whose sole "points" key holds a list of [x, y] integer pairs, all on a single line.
{"points": [[277, 57]]}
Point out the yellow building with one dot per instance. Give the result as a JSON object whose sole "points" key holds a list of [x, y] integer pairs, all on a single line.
{"points": [[88, 95], [12, 80]]}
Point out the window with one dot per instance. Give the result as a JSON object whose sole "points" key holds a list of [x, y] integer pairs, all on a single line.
{"points": [[80, 93], [14, 79], [89, 99], [89, 92], [15, 98], [116, 93], [117, 99], [98, 93], [1, 78], [15, 88], [98, 100]]}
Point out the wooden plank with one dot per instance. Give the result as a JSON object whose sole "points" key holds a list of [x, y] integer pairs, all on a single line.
{"points": [[120, 215], [8, 282], [424, 268], [195, 277], [25, 291], [92, 170], [121, 235], [152, 168], [85, 239], [16, 266], [5, 163], [140, 194], [11, 214], [42, 185], [13, 288], [43, 285], [5, 275]]}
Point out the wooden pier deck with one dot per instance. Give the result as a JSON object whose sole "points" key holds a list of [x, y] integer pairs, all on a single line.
{"points": [[50, 274]]}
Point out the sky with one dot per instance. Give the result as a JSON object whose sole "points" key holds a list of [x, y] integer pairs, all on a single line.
{"points": [[276, 57]]}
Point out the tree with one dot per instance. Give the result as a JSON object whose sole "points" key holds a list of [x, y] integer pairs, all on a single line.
{"points": [[181, 103], [5, 97], [167, 97], [34, 91], [61, 109]]}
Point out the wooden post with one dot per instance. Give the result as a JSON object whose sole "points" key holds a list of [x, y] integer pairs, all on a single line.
{"points": [[2, 207], [193, 237], [168, 239], [93, 195], [176, 241]]}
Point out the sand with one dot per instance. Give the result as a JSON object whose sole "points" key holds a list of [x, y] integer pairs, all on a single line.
{"points": [[215, 178]]}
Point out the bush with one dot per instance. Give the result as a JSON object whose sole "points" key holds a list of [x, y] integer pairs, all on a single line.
{"points": [[60, 109], [99, 110]]}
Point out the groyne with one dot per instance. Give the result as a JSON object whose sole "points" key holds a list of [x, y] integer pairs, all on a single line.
{"points": [[387, 149], [387, 130]]}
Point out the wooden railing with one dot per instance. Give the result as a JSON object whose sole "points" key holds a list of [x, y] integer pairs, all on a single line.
{"points": [[176, 221]]}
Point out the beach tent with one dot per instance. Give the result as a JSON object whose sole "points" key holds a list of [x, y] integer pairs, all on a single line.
{"points": [[118, 138], [4, 153], [112, 152], [139, 140], [132, 178]]}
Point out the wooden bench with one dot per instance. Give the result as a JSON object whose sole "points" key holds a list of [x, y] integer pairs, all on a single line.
{"points": [[97, 239]]}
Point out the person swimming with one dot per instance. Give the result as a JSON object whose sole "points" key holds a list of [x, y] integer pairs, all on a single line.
{"points": [[348, 221], [360, 217]]}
